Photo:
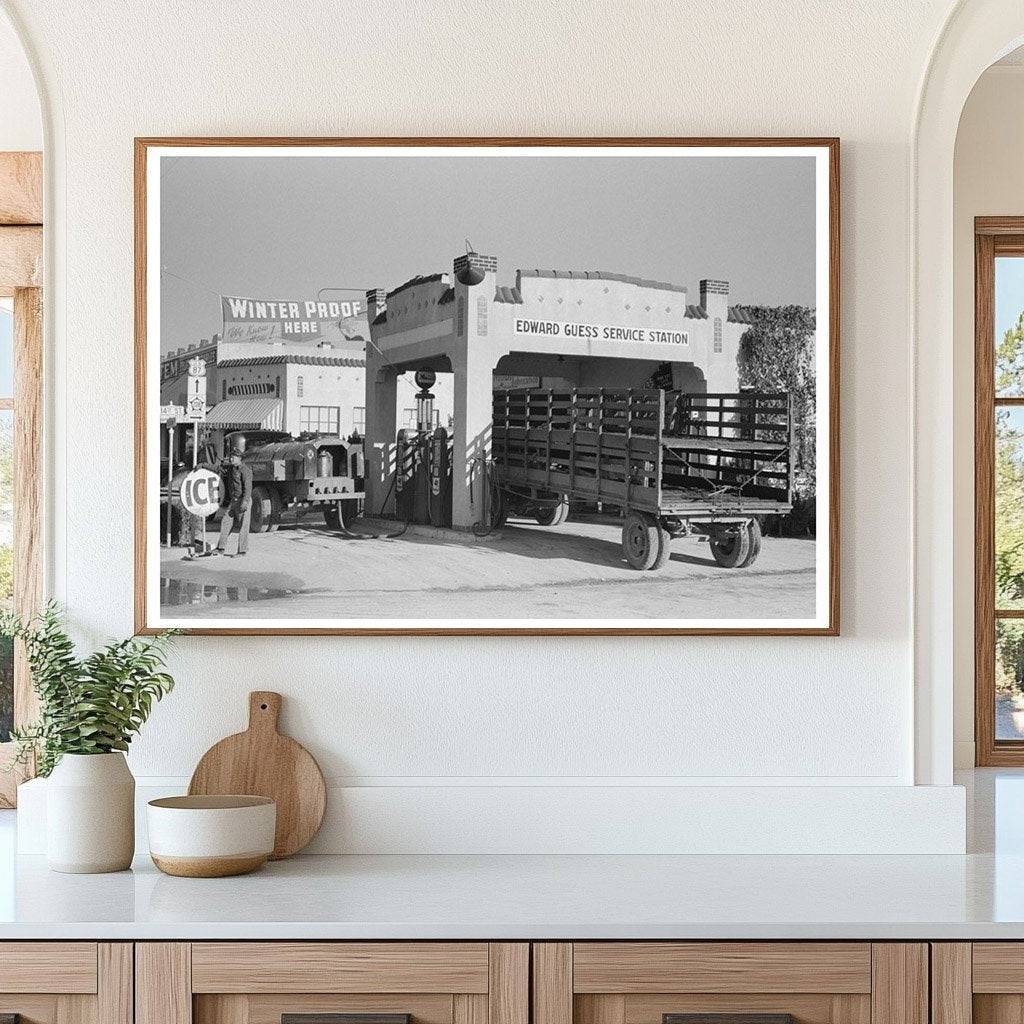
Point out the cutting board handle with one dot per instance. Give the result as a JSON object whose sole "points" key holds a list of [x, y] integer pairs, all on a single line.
{"points": [[264, 710]]}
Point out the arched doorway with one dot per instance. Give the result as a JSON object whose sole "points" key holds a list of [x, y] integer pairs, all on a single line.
{"points": [[976, 33]]}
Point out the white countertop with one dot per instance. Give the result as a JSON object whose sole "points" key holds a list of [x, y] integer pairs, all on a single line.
{"points": [[532, 897]]}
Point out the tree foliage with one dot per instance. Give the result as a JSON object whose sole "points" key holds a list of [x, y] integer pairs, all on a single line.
{"points": [[89, 705], [777, 353]]}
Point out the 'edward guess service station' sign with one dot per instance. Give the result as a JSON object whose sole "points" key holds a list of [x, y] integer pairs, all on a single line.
{"points": [[599, 332]]}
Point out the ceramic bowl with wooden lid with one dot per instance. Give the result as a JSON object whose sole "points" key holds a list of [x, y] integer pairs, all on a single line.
{"points": [[211, 836]]}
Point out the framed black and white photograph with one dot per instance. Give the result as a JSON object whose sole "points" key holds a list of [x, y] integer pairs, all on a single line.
{"points": [[485, 386]]}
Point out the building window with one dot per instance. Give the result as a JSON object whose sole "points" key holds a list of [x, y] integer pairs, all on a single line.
{"points": [[718, 334], [223, 390], [359, 419], [409, 421], [298, 385], [999, 494], [319, 419]]}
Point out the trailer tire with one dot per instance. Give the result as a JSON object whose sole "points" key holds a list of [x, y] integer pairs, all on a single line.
{"points": [[733, 550], [266, 509], [645, 542], [555, 515], [754, 530]]}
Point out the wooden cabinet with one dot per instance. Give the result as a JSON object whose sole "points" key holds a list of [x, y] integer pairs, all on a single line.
{"points": [[979, 982], [261, 982], [648, 982], [66, 982]]}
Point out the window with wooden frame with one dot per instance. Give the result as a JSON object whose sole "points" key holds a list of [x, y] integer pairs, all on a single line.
{"points": [[999, 490], [21, 407]]}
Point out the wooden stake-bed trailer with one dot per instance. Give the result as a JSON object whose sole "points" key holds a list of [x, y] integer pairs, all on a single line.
{"points": [[673, 463]]}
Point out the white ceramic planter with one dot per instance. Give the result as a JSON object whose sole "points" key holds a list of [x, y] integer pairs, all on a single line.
{"points": [[90, 814]]}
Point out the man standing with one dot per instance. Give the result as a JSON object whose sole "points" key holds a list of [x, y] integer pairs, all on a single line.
{"points": [[236, 478]]}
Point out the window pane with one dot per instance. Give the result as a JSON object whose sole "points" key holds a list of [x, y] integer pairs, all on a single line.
{"points": [[1009, 512], [1009, 679], [1009, 323], [6, 351], [6, 566]]}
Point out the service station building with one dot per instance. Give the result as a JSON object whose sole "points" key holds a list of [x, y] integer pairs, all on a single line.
{"points": [[582, 328]]}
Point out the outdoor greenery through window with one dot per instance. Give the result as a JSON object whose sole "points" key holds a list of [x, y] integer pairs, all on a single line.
{"points": [[6, 512], [1009, 497]]}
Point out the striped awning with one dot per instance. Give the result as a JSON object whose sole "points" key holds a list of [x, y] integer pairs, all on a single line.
{"points": [[247, 413]]}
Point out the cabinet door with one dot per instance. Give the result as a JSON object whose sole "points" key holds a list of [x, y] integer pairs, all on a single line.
{"points": [[66, 982], [736, 982], [981, 982], [332, 983]]}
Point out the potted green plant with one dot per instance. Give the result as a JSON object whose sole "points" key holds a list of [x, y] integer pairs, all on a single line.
{"points": [[89, 709]]}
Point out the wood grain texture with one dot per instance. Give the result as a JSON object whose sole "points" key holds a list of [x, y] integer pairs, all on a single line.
{"points": [[899, 989], [115, 983], [163, 983], [21, 258], [32, 1009], [851, 1009], [65, 967], [951, 983], [339, 967], [600, 1009], [984, 503], [509, 983], [998, 1009], [467, 1009], [997, 967], [262, 762], [21, 188], [552, 983], [816, 1008], [722, 967], [76, 1009], [226, 1009], [831, 144]]}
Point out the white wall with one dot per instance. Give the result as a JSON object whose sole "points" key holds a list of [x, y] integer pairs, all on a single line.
{"points": [[988, 180], [444, 714], [21, 125]]}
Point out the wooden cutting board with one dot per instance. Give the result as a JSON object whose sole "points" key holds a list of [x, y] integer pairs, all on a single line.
{"points": [[262, 762]]}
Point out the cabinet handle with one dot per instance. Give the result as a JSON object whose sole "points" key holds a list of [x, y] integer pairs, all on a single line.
{"points": [[728, 1018], [336, 1018]]}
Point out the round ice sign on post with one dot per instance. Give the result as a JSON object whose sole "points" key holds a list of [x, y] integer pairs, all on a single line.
{"points": [[200, 492]]}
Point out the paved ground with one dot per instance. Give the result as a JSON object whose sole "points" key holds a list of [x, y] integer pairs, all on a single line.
{"points": [[1009, 719], [525, 571]]}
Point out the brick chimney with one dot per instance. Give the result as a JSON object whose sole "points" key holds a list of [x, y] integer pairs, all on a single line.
{"points": [[471, 268]]}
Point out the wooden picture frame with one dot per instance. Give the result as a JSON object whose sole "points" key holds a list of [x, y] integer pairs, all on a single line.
{"points": [[827, 599]]}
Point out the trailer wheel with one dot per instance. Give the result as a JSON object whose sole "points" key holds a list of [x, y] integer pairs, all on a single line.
{"points": [[737, 549], [645, 542], [754, 529], [266, 509], [555, 515]]}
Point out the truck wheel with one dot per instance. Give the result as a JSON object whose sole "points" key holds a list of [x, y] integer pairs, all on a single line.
{"points": [[754, 529], [555, 515], [732, 550], [266, 509], [332, 516], [644, 541]]}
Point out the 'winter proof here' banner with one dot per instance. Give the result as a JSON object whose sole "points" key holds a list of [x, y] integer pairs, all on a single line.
{"points": [[598, 332], [294, 320]]}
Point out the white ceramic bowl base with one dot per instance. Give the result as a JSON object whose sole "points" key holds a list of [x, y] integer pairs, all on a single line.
{"points": [[211, 836]]}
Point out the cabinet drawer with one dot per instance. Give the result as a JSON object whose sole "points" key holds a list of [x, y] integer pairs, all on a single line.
{"points": [[340, 967], [263, 982], [734, 982], [630, 967], [48, 967]]}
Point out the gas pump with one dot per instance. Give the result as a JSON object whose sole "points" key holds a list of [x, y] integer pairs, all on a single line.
{"points": [[423, 471]]}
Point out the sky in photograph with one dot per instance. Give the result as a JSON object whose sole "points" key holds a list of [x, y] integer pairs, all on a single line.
{"points": [[286, 227]]}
